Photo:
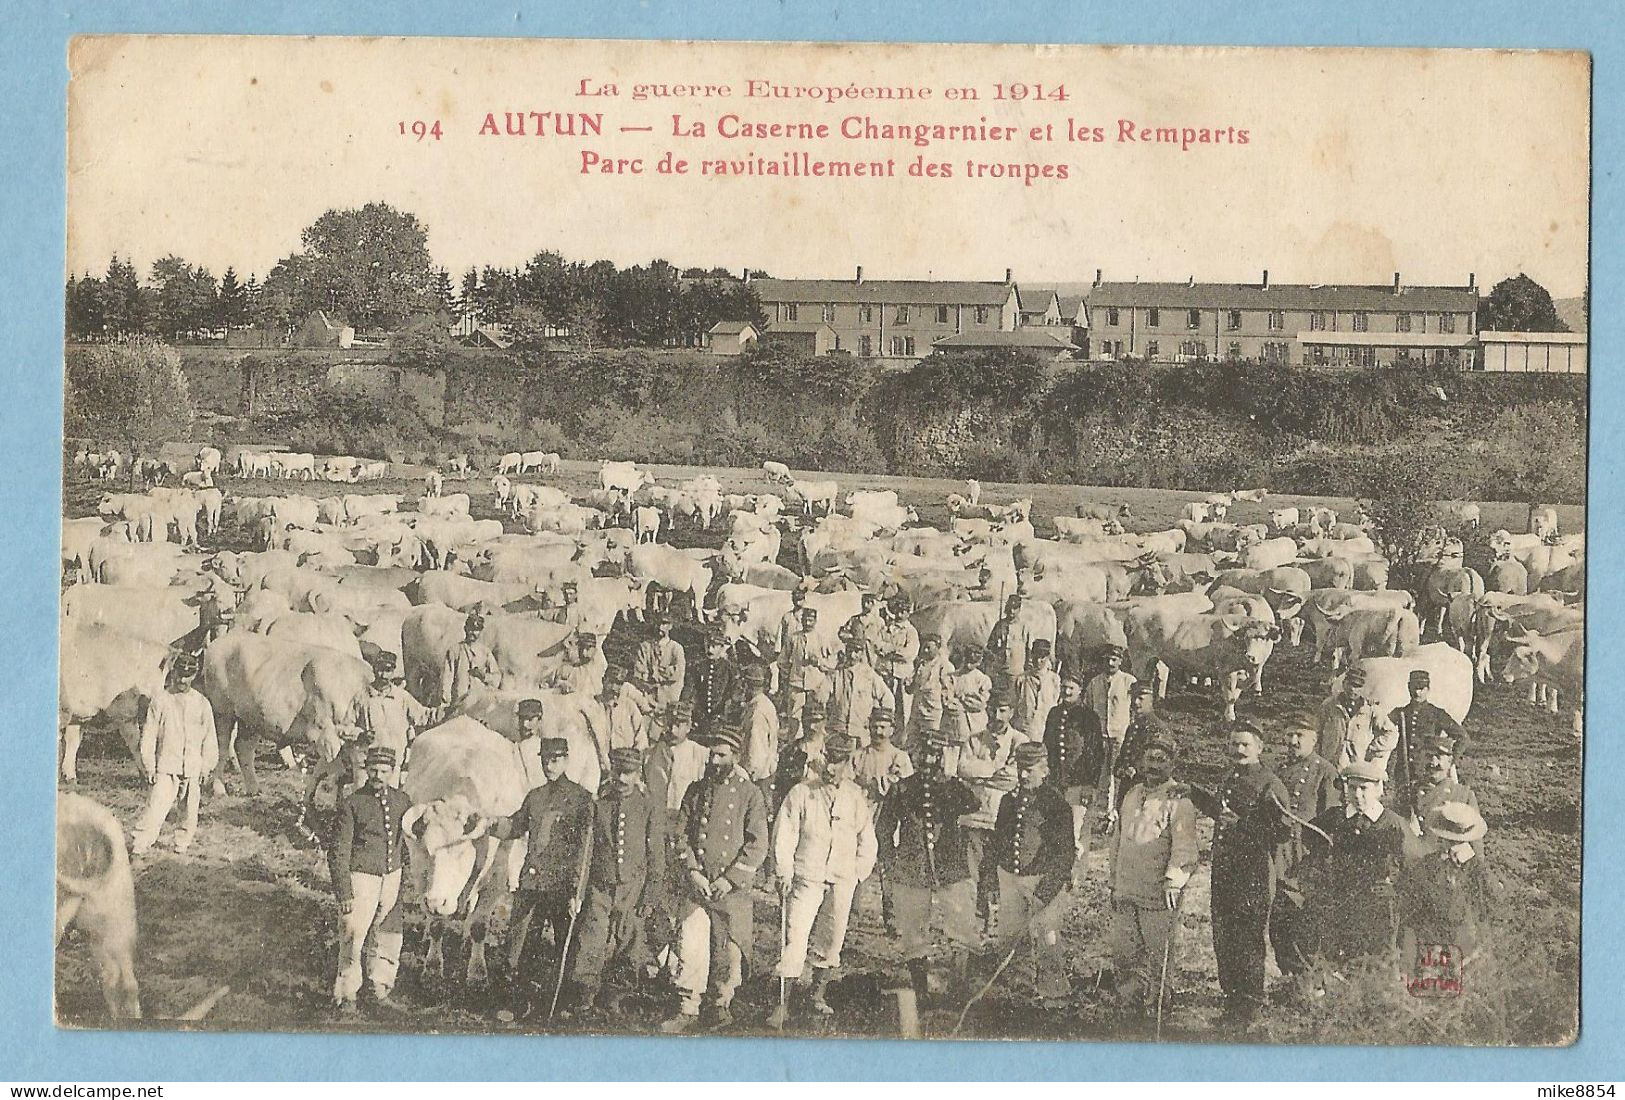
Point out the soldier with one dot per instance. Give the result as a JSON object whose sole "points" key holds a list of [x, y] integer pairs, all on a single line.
{"points": [[1417, 725], [1034, 848], [628, 854], [582, 672], [1153, 855], [722, 839], [1346, 723], [794, 757], [712, 685], [659, 665], [670, 767], [880, 765], [1144, 724], [987, 766], [855, 690], [760, 728], [1110, 695], [1248, 830], [365, 861], [469, 661], [966, 707], [1005, 659], [1437, 786], [1353, 865], [556, 820], [896, 648], [178, 749], [805, 663], [1311, 783], [1076, 749], [928, 691], [823, 846], [627, 715], [567, 611], [866, 625], [390, 717], [1037, 692], [922, 856]]}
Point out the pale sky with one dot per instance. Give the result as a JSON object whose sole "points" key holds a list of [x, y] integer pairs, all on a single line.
{"points": [[1358, 164]]}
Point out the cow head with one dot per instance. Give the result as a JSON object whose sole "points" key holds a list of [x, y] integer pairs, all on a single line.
{"points": [[1285, 603], [1252, 641], [1522, 663], [442, 835]]}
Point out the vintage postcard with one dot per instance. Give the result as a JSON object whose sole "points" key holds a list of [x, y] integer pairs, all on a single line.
{"points": [[864, 540]]}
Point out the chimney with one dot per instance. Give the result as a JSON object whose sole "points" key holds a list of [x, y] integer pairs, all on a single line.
{"points": [[1097, 276], [1007, 278], [860, 275], [1190, 281], [1472, 281], [747, 276], [1266, 278], [1396, 282]]}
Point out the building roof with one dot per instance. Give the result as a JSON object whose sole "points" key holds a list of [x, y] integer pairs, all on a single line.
{"points": [[730, 328], [1295, 296], [1037, 338], [320, 318], [1492, 336], [1389, 339], [1071, 308], [1036, 299], [883, 291], [496, 336], [800, 326]]}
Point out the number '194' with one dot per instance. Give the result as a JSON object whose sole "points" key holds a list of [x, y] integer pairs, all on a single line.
{"points": [[421, 129]]}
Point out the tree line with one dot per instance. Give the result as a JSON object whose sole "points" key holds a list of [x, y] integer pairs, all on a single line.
{"points": [[370, 268]]}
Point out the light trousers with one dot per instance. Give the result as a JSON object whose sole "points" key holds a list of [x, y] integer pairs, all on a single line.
{"points": [[1021, 911], [917, 908], [377, 900], [816, 919], [1141, 938], [160, 800], [706, 958]]}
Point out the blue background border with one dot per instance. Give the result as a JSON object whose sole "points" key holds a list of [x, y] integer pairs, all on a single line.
{"points": [[33, 79]]}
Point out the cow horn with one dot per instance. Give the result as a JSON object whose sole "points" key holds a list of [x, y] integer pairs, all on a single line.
{"points": [[412, 822]]}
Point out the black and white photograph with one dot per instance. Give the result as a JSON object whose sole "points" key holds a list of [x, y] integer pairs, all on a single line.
{"points": [[848, 540]]}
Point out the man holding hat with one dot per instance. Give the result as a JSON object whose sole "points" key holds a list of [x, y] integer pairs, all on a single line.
{"points": [[759, 724], [1313, 786], [390, 717], [1249, 827], [1437, 786], [805, 662], [1353, 865], [712, 685], [1446, 893], [1153, 855], [722, 839], [365, 861], [1037, 692], [929, 689], [628, 852], [178, 750], [922, 857], [855, 690], [1417, 725], [556, 820], [896, 647], [823, 846], [469, 660], [1034, 849], [660, 663]]}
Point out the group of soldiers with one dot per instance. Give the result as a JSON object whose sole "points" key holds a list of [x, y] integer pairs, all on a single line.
{"points": [[965, 788]]}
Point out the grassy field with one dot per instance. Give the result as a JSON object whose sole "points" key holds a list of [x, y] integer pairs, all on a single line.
{"points": [[249, 905]]}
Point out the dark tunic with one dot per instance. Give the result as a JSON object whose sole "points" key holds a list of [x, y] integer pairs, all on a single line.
{"points": [[1033, 836], [1442, 902], [555, 819], [1351, 882], [1419, 723], [1311, 788], [922, 843], [1248, 833], [628, 857], [712, 687], [1077, 749], [367, 836], [1126, 769], [722, 833]]}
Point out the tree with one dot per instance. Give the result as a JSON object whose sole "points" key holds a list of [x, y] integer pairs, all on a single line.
{"points": [[368, 266], [134, 393], [232, 306], [184, 297], [423, 344], [1519, 304], [445, 295]]}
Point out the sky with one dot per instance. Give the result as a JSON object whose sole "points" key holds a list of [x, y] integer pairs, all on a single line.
{"points": [[1357, 164]]}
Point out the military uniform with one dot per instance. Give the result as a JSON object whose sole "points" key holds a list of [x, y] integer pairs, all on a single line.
{"points": [[556, 819], [1077, 756], [1153, 850], [824, 844], [659, 670], [628, 860], [1443, 901], [466, 663], [1352, 883], [722, 834], [389, 718], [712, 688], [1417, 724], [805, 663], [365, 861], [1311, 790], [856, 691], [928, 691], [1248, 831], [1429, 794], [1034, 848], [922, 854]]}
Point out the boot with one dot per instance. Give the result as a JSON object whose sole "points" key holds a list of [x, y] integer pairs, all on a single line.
{"points": [[820, 985], [919, 976]]}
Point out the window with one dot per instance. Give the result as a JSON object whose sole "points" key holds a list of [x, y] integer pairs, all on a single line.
{"points": [[1447, 322], [1151, 349], [791, 312], [829, 313], [1364, 357], [1193, 349], [1232, 320], [1317, 322], [1277, 320], [908, 345], [1362, 322], [1402, 322], [1275, 352], [1317, 354], [942, 315], [1111, 317], [866, 346], [866, 314], [1233, 351], [902, 315], [981, 315], [1153, 318], [1193, 318], [897, 345]]}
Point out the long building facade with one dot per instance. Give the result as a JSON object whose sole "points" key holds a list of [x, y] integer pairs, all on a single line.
{"points": [[891, 318], [1302, 325]]}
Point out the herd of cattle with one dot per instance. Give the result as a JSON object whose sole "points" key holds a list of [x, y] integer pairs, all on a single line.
{"points": [[284, 626]]}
